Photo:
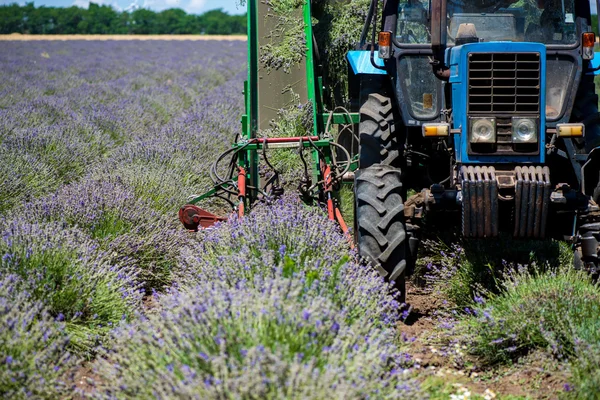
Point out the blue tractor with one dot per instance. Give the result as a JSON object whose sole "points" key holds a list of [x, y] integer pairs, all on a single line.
{"points": [[483, 111], [486, 108]]}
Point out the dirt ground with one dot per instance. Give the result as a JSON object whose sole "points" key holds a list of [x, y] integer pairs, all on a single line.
{"points": [[20, 37], [533, 377]]}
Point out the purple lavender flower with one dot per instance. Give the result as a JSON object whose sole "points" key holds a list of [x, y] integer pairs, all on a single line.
{"points": [[26, 324], [567, 387]]}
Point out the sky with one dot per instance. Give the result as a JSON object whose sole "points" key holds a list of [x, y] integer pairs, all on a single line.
{"points": [[189, 6]]}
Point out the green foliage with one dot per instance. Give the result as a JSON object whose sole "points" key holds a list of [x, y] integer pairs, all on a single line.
{"points": [[460, 271], [535, 310], [553, 311], [585, 371], [152, 249], [346, 203], [33, 356], [59, 267], [287, 40], [287, 47], [294, 119], [337, 31], [103, 19], [337, 26], [23, 176], [157, 185]]}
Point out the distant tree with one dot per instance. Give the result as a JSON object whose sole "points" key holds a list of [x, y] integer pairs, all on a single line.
{"points": [[11, 18], [216, 22], [143, 21], [100, 18], [68, 19], [103, 19], [40, 20], [171, 21], [122, 24]]}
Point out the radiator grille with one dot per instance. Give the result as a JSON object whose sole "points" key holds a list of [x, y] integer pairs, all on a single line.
{"points": [[504, 83]]}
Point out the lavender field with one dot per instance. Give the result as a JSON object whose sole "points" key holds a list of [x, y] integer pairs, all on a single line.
{"points": [[101, 143], [103, 294]]}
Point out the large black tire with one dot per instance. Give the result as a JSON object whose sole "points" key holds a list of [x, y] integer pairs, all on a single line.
{"points": [[380, 222], [380, 226], [378, 139]]}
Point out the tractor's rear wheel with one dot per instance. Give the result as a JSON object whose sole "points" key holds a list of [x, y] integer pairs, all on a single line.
{"points": [[380, 219], [380, 225], [378, 139]]}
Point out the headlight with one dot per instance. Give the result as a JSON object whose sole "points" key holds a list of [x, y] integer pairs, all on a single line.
{"points": [[483, 130], [524, 130]]}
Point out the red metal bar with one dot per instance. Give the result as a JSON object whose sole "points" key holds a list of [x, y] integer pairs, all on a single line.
{"points": [[285, 139], [328, 179], [241, 191], [328, 187], [345, 230], [330, 207]]}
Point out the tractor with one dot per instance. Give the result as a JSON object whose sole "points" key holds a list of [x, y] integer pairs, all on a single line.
{"points": [[485, 110]]}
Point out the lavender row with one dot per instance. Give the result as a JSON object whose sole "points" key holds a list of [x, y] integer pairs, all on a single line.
{"points": [[100, 143], [271, 306]]}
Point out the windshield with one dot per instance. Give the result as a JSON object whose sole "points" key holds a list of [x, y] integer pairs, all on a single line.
{"points": [[543, 21]]}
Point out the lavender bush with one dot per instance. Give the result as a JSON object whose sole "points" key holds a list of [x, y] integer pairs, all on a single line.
{"points": [[127, 228], [272, 307], [460, 270], [33, 346], [289, 238], [554, 311], [274, 339], [64, 269], [262, 242]]}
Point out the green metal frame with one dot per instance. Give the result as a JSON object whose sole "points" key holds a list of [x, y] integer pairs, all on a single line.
{"points": [[310, 65], [252, 97], [212, 192], [248, 158]]}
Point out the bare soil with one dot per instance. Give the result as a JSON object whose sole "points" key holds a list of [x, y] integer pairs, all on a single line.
{"points": [[534, 377], [83, 381], [21, 37]]}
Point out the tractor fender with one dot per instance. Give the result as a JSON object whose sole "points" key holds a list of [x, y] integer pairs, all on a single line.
{"points": [[595, 64], [360, 61]]}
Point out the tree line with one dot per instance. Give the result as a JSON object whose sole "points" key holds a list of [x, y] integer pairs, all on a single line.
{"points": [[103, 19]]}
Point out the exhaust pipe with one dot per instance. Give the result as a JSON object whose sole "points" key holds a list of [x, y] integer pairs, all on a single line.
{"points": [[438, 40]]}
